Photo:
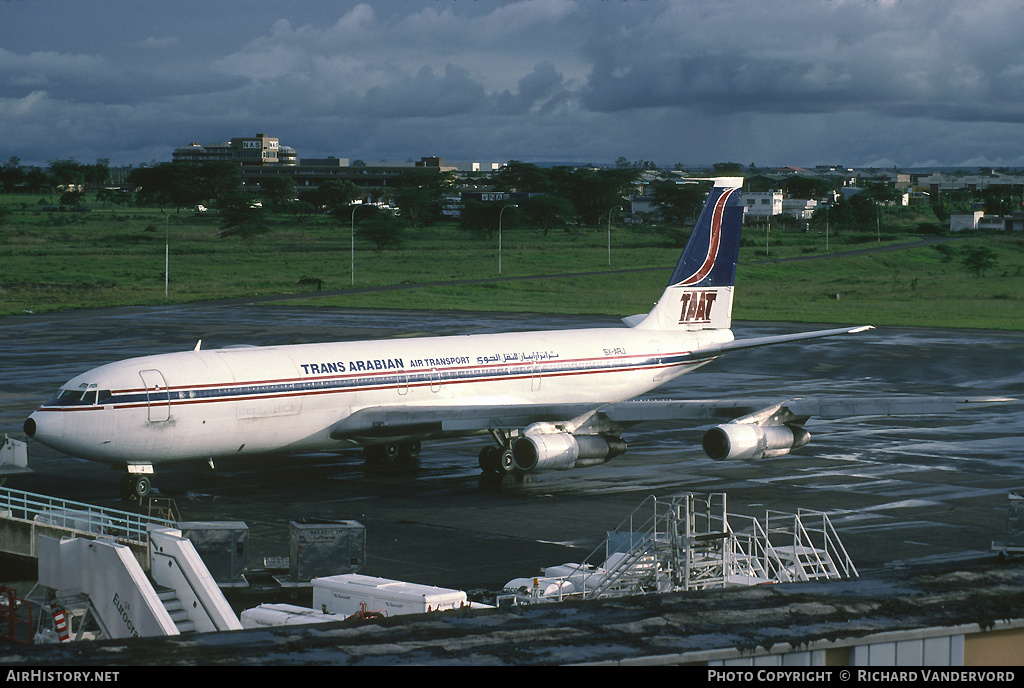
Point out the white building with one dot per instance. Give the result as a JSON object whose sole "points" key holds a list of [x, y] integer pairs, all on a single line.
{"points": [[800, 208], [763, 204]]}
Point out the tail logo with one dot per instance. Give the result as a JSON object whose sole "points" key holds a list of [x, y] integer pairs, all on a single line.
{"points": [[714, 241], [696, 307]]}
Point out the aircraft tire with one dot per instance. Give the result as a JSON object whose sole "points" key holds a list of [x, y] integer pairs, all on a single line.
{"points": [[125, 487], [134, 486], [141, 486], [391, 451], [508, 463], [490, 459]]}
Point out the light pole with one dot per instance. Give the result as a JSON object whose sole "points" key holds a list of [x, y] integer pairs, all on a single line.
{"points": [[500, 212], [827, 208], [167, 253], [610, 233], [355, 207]]}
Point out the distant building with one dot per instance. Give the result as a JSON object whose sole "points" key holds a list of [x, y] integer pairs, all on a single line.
{"points": [[963, 222], [256, 150], [262, 157], [763, 204], [800, 208]]}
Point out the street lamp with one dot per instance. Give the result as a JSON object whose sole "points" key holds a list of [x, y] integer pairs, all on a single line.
{"points": [[167, 253], [827, 208], [355, 207], [499, 233], [610, 233]]}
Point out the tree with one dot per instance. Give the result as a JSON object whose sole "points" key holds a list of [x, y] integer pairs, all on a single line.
{"points": [[521, 176], [278, 192], [335, 196], [166, 184], [420, 196], [241, 217], [97, 175], [384, 230], [858, 209], [12, 175], [979, 259], [71, 198], [216, 178], [728, 169], [68, 172], [548, 212], [482, 218], [679, 203], [594, 191], [807, 187]]}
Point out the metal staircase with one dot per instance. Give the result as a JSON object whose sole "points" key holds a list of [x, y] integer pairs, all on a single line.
{"points": [[691, 542], [175, 609]]}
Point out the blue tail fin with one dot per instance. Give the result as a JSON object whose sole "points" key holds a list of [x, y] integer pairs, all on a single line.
{"points": [[699, 294]]}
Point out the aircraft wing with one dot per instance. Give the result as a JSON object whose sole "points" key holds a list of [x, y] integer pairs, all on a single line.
{"points": [[818, 407], [387, 421]]}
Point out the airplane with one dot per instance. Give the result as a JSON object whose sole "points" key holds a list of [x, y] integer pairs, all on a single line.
{"points": [[548, 399]]}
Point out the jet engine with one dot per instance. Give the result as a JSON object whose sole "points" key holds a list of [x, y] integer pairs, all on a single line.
{"points": [[750, 441], [561, 450]]}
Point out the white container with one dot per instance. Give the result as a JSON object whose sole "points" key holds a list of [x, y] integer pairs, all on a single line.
{"points": [[283, 615], [349, 593]]}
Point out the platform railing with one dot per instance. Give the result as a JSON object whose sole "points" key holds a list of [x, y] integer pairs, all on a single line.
{"points": [[77, 516]]}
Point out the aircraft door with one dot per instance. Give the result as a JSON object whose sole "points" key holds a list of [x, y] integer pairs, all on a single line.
{"points": [[157, 394], [435, 380]]}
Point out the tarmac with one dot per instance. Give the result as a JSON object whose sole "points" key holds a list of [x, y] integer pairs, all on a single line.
{"points": [[906, 494]]}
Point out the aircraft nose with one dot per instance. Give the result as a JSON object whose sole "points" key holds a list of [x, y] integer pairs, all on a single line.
{"points": [[47, 428], [30, 426]]}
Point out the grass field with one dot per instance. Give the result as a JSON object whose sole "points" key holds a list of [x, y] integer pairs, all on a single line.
{"points": [[107, 257]]}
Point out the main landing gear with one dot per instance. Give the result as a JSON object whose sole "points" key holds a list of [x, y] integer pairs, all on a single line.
{"points": [[392, 452], [497, 457]]}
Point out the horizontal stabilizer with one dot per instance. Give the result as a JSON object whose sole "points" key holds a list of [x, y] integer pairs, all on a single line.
{"points": [[739, 344]]}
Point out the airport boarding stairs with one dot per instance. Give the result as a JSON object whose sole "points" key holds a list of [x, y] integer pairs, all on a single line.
{"points": [[691, 542], [102, 591]]}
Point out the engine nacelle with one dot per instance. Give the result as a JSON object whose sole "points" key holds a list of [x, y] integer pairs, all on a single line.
{"points": [[561, 451], [749, 441]]}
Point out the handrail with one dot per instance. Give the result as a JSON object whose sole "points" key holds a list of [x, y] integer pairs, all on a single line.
{"points": [[695, 543], [122, 525], [188, 581]]}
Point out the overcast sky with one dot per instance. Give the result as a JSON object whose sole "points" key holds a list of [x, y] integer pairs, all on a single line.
{"points": [[770, 82]]}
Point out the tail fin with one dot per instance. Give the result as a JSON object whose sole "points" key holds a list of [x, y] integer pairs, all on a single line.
{"points": [[699, 295]]}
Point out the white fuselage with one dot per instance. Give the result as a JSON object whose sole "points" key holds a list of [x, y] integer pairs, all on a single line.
{"points": [[208, 404]]}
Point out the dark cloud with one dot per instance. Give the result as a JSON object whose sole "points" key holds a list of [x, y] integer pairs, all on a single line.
{"points": [[774, 81]]}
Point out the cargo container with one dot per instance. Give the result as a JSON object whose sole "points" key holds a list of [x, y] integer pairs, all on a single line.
{"points": [[283, 615], [351, 593]]}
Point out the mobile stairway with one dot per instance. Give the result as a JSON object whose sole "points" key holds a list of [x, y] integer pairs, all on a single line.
{"points": [[101, 589], [691, 542]]}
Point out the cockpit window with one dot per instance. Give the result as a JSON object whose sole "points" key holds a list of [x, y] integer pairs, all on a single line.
{"points": [[85, 394]]}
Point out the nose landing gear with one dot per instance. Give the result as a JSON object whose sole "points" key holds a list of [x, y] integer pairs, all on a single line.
{"points": [[136, 483]]}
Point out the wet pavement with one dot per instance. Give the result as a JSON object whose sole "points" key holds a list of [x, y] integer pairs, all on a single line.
{"points": [[900, 491]]}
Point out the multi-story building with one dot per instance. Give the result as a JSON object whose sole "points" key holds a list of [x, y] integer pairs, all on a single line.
{"points": [[262, 157], [247, 151], [763, 204]]}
